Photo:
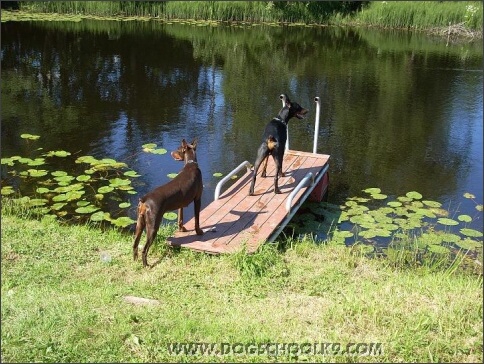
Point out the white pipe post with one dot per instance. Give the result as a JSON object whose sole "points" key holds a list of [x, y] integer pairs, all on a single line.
{"points": [[283, 99], [316, 124]]}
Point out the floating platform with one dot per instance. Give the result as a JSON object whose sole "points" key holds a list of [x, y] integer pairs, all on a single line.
{"points": [[235, 220]]}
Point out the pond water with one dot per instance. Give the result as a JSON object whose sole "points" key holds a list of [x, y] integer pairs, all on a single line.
{"points": [[400, 111]]}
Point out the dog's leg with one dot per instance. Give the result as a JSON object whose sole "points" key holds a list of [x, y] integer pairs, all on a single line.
{"points": [[280, 156], [197, 203], [278, 162], [152, 226], [263, 174], [140, 226], [180, 220], [262, 153]]}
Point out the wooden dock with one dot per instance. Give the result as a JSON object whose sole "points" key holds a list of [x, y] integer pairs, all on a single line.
{"points": [[235, 219]]}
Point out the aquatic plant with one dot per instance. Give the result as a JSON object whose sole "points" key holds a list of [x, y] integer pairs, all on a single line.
{"points": [[80, 195], [401, 226]]}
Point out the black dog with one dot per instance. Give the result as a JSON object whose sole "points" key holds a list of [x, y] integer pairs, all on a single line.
{"points": [[274, 141]]}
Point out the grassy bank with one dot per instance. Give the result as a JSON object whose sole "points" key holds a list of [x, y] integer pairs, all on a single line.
{"points": [[465, 16], [64, 288]]}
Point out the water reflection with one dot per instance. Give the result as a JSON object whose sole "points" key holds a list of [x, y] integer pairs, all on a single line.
{"points": [[400, 111]]}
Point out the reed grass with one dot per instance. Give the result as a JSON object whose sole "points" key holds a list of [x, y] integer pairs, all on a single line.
{"points": [[422, 14], [394, 14]]}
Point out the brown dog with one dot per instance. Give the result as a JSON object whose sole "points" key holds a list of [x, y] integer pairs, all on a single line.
{"points": [[186, 187]]}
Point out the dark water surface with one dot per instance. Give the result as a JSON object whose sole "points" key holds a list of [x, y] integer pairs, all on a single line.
{"points": [[400, 111]]}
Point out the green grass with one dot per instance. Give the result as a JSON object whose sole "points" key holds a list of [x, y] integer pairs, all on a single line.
{"points": [[61, 302]]}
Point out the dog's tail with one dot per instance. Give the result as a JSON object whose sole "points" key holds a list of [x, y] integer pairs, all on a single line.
{"points": [[271, 142]]}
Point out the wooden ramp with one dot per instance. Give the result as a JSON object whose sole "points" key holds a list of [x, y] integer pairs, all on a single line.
{"points": [[236, 219]]}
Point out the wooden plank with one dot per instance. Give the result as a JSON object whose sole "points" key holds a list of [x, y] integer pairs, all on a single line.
{"points": [[241, 219]]}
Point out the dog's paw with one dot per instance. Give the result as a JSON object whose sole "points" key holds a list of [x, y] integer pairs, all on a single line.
{"points": [[199, 231]]}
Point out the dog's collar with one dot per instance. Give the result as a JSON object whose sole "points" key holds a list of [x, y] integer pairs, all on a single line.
{"points": [[190, 161], [279, 119]]}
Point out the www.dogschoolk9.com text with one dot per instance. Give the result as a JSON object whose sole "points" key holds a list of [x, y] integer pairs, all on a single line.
{"points": [[276, 349]]}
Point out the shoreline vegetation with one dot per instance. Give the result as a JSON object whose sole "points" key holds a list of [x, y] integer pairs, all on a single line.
{"points": [[456, 20]]}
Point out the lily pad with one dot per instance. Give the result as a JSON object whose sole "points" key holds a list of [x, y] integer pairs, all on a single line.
{"points": [[367, 234], [404, 199], [29, 136], [170, 215], [414, 195], [57, 206], [122, 221], [83, 178], [100, 216], [58, 153], [471, 232], [42, 190], [158, 151], [37, 172], [37, 162], [172, 175], [450, 238], [342, 234], [372, 190], [61, 197], [149, 146], [8, 161], [469, 195], [124, 205], [86, 209], [105, 189], [464, 218], [131, 174], [438, 249], [64, 179], [217, 174], [7, 190], [379, 196], [447, 221], [117, 182], [86, 159], [431, 203], [468, 244]]}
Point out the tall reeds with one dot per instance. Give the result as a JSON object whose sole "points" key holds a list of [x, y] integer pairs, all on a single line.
{"points": [[394, 14], [422, 14]]}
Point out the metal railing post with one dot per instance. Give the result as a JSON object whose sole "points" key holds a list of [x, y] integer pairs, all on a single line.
{"points": [[316, 124]]}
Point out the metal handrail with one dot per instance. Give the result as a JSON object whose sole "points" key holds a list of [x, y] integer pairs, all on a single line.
{"points": [[228, 176], [307, 180]]}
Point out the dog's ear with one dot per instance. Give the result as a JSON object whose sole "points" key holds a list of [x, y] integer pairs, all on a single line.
{"points": [[184, 143], [194, 143]]}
